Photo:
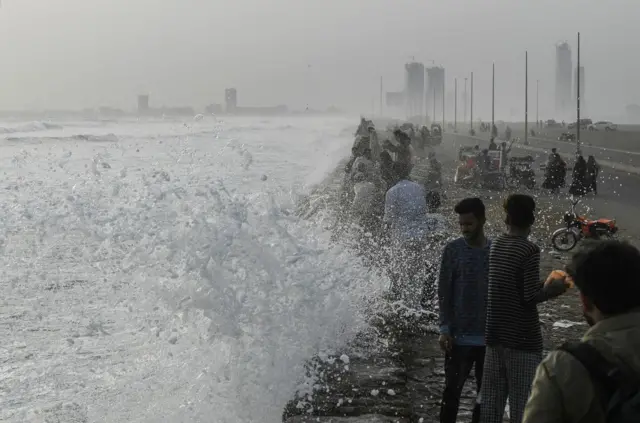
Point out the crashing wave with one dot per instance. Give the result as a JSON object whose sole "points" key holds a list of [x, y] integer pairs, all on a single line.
{"points": [[75, 138], [29, 127]]}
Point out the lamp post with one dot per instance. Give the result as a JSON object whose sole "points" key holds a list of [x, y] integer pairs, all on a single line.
{"points": [[526, 98]]}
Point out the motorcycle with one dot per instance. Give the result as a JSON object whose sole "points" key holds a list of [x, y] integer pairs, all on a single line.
{"points": [[579, 227], [521, 173]]}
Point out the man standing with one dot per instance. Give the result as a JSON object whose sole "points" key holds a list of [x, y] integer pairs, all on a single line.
{"points": [[404, 152], [462, 291], [405, 217], [568, 391], [513, 335]]}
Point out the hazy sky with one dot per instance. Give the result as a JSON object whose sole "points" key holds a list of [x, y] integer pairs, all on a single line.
{"points": [[79, 53]]}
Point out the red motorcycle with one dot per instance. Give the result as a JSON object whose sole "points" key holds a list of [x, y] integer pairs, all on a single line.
{"points": [[579, 227]]}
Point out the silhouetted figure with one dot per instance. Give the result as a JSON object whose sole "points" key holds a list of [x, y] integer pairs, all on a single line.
{"points": [[492, 144], [592, 175], [555, 173], [578, 184], [386, 170]]}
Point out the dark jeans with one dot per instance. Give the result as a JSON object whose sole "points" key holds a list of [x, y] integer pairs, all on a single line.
{"points": [[457, 366]]}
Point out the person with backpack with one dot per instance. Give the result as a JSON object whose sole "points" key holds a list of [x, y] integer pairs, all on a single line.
{"points": [[596, 380]]}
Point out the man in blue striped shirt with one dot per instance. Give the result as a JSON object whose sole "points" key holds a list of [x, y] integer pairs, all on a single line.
{"points": [[462, 291]]}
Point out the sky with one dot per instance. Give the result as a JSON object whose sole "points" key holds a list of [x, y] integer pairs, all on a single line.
{"points": [[316, 53]]}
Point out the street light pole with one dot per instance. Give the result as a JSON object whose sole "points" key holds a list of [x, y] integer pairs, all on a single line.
{"points": [[443, 88], [455, 105], [526, 98], [493, 98], [381, 101], [466, 101], [578, 152], [471, 121], [537, 102], [433, 94]]}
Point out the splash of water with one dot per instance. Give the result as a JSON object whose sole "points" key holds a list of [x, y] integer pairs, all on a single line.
{"points": [[168, 286]]}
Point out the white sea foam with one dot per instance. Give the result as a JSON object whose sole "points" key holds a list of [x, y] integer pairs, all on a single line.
{"points": [[162, 278]]}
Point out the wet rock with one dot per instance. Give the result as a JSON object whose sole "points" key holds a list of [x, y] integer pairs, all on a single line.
{"points": [[368, 418]]}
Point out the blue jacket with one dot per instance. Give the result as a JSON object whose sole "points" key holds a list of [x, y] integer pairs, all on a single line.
{"points": [[462, 292]]}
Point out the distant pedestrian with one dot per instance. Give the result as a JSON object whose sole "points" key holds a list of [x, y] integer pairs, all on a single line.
{"points": [[579, 177], [513, 335], [592, 175]]}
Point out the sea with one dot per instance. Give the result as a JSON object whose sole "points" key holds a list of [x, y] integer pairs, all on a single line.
{"points": [[157, 270]]}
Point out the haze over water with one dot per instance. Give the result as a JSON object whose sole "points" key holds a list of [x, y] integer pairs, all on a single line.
{"points": [[77, 53]]}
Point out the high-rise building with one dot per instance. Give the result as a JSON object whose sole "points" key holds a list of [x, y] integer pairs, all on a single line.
{"points": [[583, 103], [231, 99], [435, 91], [414, 89], [143, 103], [564, 88]]}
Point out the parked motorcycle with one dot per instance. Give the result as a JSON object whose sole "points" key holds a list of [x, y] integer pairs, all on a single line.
{"points": [[579, 227], [521, 172]]}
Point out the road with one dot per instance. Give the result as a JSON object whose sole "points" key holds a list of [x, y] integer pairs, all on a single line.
{"points": [[618, 192], [613, 149]]}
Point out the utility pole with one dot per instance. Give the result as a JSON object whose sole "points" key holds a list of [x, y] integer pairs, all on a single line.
{"points": [[537, 103], [466, 103], [433, 94], [455, 105], [493, 98], [443, 89], [381, 101], [578, 152], [471, 121], [526, 98]]}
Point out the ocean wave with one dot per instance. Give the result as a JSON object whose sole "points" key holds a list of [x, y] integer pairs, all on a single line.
{"points": [[29, 127], [175, 283], [74, 138]]}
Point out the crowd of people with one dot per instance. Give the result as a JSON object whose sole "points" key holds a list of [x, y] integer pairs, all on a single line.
{"points": [[394, 198], [584, 176], [369, 177], [488, 293]]}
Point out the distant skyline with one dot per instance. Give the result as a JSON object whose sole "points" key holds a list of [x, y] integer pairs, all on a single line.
{"points": [[87, 53]]}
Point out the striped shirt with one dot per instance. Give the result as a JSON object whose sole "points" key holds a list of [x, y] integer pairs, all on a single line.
{"points": [[514, 294]]}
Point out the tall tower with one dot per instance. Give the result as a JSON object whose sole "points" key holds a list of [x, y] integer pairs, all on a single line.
{"points": [[143, 103], [435, 85], [564, 100], [231, 99], [414, 89]]}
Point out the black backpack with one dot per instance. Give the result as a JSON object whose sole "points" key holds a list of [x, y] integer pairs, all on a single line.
{"points": [[620, 384]]}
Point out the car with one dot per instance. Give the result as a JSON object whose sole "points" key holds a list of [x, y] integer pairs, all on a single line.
{"points": [[584, 124], [603, 125], [551, 123]]}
